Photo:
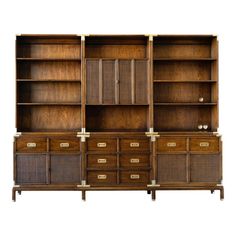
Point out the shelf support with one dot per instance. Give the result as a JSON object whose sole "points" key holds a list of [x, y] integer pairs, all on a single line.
{"points": [[83, 135]]}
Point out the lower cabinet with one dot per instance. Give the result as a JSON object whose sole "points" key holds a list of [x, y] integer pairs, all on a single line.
{"points": [[30, 169]]}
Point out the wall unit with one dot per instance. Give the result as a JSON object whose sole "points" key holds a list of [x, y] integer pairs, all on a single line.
{"points": [[117, 112]]}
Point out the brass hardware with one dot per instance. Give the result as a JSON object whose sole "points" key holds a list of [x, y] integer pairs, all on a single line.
{"points": [[201, 99], [83, 135], [64, 145], [199, 126], [204, 144], [134, 160], [102, 176], [100, 161], [31, 145], [173, 144], [117, 81], [153, 135], [134, 176], [83, 184], [18, 134], [216, 134], [134, 144], [101, 144], [205, 126]]}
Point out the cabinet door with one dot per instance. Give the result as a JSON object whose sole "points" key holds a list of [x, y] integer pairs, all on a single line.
{"points": [[65, 169], [205, 168], [31, 169], [172, 168]]}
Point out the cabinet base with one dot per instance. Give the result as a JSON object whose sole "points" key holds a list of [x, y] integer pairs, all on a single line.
{"points": [[149, 189]]}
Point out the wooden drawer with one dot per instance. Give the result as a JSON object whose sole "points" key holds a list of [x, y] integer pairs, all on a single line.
{"points": [[108, 145], [31, 145], [134, 177], [102, 177], [65, 145], [168, 144], [204, 144], [130, 161], [134, 145], [101, 161]]}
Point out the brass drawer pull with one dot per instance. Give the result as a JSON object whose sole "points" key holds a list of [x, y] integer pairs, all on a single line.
{"points": [[134, 160], [101, 144], [31, 145], [134, 144], [101, 161], [172, 144], [102, 176], [204, 144], [134, 176], [64, 145]]}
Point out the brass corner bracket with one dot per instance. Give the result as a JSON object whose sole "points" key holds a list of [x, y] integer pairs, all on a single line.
{"points": [[153, 135], [83, 135]]}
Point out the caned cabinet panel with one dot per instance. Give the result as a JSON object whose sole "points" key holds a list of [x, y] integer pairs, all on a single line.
{"points": [[101, 144], [65, 145], [205, 168], [111, 81], [31, 169], [31, 145], [102, 177], [65, 169], [171, 168], [171, 144], [204, 144], [101, 161], [134, 177]]}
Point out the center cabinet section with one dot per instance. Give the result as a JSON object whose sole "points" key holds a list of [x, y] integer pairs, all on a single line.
{"points": [[118, 161]]}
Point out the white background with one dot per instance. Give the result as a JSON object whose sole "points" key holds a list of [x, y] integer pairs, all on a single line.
{"points": [[118, 213]]}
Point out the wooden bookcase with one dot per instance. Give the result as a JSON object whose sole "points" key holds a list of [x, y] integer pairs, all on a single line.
{"points": [[117, 112]]}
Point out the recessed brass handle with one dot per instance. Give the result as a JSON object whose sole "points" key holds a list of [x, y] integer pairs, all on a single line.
{"points": [[134, 144], [102, 176], [204, 144], [31, 145], [101, 144], [101, 161], [134, 160], [64, 145], [134, 176], [171, 144]]}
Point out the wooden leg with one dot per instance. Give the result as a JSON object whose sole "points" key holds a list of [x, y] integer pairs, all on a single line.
{"points": [[153, 195], [19, 192], [83, 195], [148, 191], [13, 195], [212, 191], [222, 193]]}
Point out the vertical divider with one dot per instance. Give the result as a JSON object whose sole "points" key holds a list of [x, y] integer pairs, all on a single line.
{"points": [[14, 159], [132, 81], [100, 82], [154, 160], [117, 82], [118, 160], [187, 161], [48, 163]]}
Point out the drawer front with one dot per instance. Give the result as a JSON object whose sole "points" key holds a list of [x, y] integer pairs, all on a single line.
{"points": [[64, 145], [130, 161], [102, 177], [171, 144], [108, 145], [134, 145], [31, 145], [101, 161], [204, 144], [134, 177]]}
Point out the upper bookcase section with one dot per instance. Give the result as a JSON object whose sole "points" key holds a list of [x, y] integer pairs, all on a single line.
{"points": [[50, 47], [116, 47], [185, 47]]}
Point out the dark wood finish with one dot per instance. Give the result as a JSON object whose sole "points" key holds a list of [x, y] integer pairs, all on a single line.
{"points": [[117, 87]]}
